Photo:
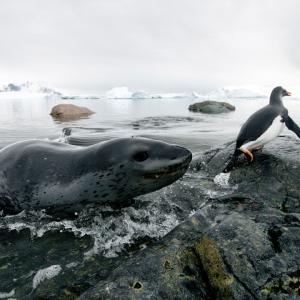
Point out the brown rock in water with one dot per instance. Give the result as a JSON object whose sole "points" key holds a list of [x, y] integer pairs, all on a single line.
{"points": [[211, 107], [69, 111]]}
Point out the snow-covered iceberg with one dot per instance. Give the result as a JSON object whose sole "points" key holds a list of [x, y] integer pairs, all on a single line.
{"points": [[27, 88], [125, 93], [228, 93], [119, 93], [75, 97], [140, 95]]}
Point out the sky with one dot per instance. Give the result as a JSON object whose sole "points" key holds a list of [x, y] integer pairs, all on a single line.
{"points": [[152, 45]]}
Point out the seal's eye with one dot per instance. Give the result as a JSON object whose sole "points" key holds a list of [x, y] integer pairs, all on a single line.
{"points": [[141, 156]]}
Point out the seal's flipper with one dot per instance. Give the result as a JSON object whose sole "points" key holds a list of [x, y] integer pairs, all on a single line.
{"points": [[291, 125]]}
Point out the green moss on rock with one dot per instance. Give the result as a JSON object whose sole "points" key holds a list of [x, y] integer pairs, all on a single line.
{"points": [[213, 265]]}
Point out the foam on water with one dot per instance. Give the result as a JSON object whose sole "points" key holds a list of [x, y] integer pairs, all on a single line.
{"points": [[46, 273], [7, 295], [222, 180], [111, 231]]}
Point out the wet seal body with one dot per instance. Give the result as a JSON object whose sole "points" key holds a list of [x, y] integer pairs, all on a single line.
{"points": [[262, 127], [55, 176]]}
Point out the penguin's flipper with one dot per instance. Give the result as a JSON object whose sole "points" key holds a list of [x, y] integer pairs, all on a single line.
{"points": [[291, 125]]}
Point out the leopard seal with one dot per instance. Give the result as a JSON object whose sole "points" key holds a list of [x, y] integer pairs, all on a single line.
{"points": [[38, 174]]}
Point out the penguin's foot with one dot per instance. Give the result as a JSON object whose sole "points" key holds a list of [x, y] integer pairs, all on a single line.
{"points": [[248, 154]]}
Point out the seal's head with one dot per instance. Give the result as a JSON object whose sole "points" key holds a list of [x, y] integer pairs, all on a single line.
{"points": [[139, 165]]}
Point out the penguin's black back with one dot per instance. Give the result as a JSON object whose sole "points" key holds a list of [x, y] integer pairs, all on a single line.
{"points": [[258, 123]]}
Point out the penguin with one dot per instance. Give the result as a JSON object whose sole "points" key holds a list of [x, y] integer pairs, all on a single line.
{"points": [[262, 127]]}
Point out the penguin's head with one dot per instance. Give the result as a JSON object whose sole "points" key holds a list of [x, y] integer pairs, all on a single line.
{"points": [[277, 94]]}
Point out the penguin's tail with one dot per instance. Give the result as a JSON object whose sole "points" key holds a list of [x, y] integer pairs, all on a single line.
{"points": [[232, 161]]}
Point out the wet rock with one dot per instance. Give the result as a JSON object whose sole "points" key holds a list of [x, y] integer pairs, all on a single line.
{"points": [[243, 244], [211, 107], [69, 111], [274, 176]]}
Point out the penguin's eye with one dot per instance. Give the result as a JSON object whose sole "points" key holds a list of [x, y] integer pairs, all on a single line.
{"points": [[141, 156]]}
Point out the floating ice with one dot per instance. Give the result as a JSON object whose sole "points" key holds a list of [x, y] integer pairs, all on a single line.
{"points": [[46, 273]]}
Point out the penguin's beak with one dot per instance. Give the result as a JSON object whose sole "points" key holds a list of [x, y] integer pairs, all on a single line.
{"points": [[288, 93]]}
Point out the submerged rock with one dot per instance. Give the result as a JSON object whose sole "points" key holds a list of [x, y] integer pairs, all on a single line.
{"points": [[211, 107], [69, 111]]}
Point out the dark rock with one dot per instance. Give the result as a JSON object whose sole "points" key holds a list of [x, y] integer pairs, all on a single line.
{"points": [[211, 107], [242, 243], [274, 176]]}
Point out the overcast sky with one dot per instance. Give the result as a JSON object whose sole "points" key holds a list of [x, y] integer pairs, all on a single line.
{"points": [[154, 45]]}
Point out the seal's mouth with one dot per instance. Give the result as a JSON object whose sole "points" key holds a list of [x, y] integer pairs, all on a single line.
{"points": [[177, 169]]}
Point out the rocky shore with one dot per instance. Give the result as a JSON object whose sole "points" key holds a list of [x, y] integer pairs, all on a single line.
{"points": [[239, 241], [243, 245]]}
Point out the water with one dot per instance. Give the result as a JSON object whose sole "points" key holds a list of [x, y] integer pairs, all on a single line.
{"points": [[167, 119], [102, 232]]}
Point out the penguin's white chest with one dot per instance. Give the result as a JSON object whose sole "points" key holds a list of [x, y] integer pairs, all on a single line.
{"points": [[270, 134]]}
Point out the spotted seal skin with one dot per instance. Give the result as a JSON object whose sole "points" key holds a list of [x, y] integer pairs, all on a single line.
{"points": [[54, 176]]}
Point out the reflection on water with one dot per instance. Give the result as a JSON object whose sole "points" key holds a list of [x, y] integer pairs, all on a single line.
{"points": [[167, 119]]}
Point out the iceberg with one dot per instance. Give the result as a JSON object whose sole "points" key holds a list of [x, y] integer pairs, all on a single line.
{"points": [[228, 93], [125, 93], [27, 88], [75, 97], [119, 93], [170, 96], [140, 95]]}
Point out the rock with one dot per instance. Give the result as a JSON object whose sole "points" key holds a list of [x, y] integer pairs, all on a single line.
{"points": [[274, 176], [241, 242], [211, 107], [69, 111]]}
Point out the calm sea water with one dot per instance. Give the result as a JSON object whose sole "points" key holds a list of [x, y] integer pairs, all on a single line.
{"points": [[166, 119]]}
